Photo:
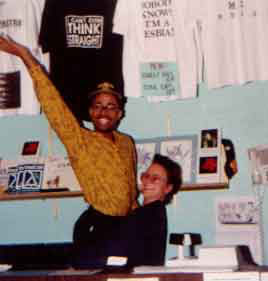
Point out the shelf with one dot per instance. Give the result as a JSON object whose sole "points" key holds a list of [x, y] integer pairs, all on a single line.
{"points": [[66, 194], [38, 195], [204, 186]]}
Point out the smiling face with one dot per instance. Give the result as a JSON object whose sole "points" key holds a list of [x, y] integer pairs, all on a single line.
{"points": [[154, 184], [105, 113]]}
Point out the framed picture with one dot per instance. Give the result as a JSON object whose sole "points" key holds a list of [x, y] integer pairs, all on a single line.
{"points": [[146, 150], [181, 149], [209, 139], [209, 165]]}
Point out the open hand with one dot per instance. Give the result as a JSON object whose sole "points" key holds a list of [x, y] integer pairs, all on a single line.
{"points": [[10, 46]]}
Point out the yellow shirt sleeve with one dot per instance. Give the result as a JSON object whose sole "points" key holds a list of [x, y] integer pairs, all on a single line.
{"points": [[106, 171]]}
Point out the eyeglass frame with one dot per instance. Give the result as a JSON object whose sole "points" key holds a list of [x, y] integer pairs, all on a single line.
{"points": [[153, 178], [110, 108]]}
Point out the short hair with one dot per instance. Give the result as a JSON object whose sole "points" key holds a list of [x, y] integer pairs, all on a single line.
{"points": [[174, 174]]}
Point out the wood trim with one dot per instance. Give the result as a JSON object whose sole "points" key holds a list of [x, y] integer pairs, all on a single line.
{"points": [[68, 194]]}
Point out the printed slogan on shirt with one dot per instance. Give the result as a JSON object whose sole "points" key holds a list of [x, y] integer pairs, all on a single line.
{"points": [[156, 17], [84, 31]]}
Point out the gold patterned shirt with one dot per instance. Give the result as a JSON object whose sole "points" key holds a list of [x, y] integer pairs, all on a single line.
{"points": [[106, 170]]}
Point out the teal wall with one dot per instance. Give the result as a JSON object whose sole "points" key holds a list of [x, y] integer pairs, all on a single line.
{"points": [[241, 113]]}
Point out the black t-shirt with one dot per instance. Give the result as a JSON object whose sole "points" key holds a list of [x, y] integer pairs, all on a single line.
{"points": [[83, 50]]}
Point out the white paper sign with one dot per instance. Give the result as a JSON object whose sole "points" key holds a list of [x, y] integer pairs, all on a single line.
{"points": [[59, 174]]}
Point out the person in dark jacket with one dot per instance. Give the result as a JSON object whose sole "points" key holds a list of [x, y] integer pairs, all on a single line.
{"points": [[142, 237]]}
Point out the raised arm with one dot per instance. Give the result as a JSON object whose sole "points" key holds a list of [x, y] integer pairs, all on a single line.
{"points": [[60, 117]]}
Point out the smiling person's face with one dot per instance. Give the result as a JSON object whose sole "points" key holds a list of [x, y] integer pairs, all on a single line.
{"points": [[105, 113], [154, 183]]}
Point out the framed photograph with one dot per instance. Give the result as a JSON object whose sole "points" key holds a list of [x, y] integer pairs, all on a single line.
{"points": [[210, 156], [208, 165], [209, 139]]}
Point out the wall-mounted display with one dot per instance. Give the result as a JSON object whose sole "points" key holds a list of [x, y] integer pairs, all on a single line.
{"points": [[181, 149], [210, 156]]}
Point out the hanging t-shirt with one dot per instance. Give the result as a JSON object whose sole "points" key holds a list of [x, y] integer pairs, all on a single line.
{"points": [[21, 21], [83, 50], [233, 38], [158, 54]]}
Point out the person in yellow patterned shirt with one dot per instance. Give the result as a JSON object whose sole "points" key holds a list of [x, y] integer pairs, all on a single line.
{"points": [[103, 159]]}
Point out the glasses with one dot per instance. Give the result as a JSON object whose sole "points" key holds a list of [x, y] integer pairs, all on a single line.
{"points": [[153, 178], [109, 108]]}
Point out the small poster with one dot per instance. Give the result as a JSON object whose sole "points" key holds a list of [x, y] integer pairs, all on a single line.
{"points": [[236, 212], [159, 79]]}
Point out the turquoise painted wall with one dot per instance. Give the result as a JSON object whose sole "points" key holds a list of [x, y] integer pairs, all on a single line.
{"points": [[241, 113]]}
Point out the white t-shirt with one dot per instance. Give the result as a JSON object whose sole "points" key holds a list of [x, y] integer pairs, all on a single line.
{"points": [[21, 21], [157, 50], [233, 39]]}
